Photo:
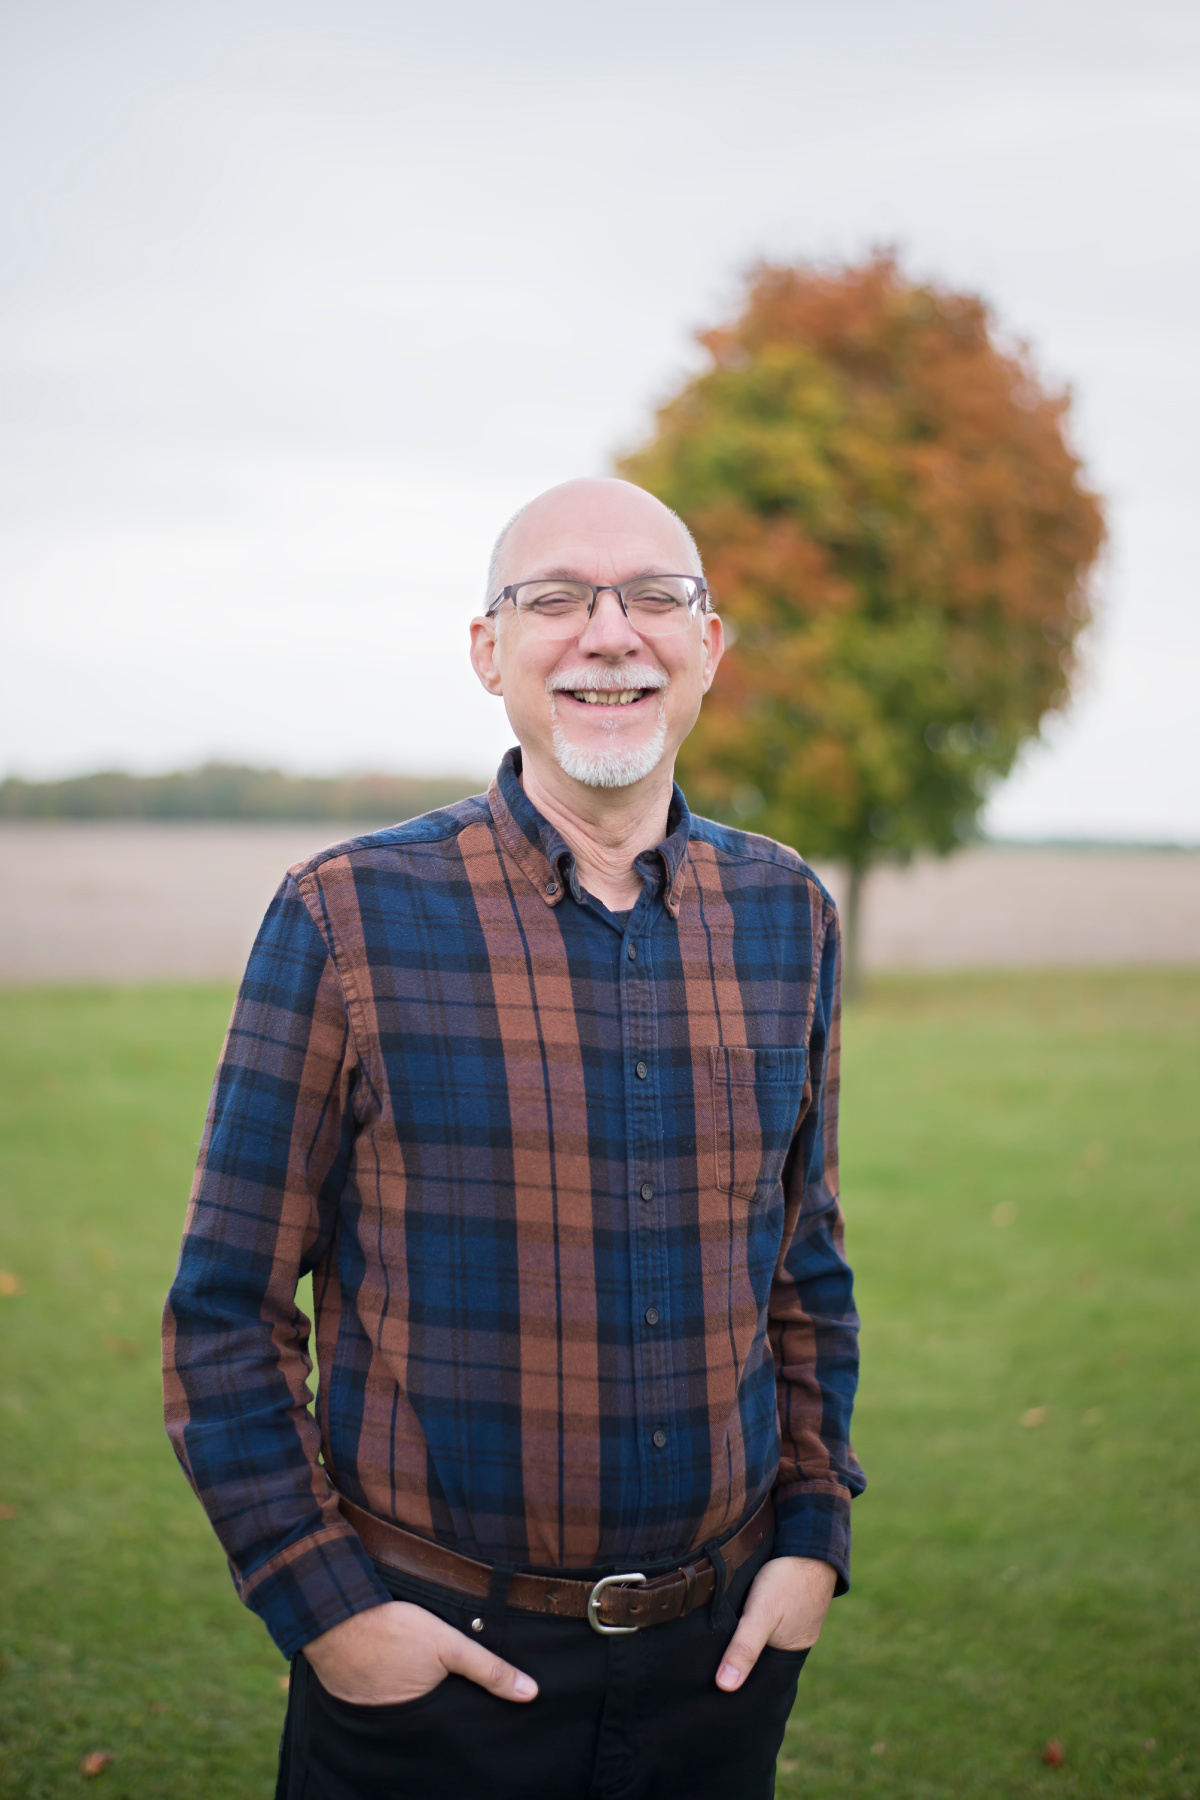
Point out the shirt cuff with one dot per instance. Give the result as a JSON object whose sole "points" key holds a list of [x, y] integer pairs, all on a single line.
{"points": [[813, 1519], [313, 1586]]}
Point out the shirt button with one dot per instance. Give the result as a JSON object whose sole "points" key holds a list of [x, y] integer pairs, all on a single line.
{"points": [[641, 1071], [552, 887], [647, 1191], [631, 952], [659, 1440], [652, 1315]]}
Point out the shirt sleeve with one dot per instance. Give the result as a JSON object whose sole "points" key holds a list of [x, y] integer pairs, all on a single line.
{"points": [[812, 1322], [273, 1161]]}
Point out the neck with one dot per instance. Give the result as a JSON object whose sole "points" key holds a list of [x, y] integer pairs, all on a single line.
{"points": [[606, 828]]}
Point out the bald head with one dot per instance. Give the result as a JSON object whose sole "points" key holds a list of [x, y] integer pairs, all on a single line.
{"points": [[609, 513], [605, 707]]}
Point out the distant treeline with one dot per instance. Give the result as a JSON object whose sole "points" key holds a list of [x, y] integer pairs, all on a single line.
{"points": [[232, 791]]}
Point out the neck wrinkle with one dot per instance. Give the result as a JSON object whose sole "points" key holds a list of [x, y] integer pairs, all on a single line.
{"points": [[606, 848]]}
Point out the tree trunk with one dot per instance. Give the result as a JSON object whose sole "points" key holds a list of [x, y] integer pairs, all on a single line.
{"points": [[851, 967]]}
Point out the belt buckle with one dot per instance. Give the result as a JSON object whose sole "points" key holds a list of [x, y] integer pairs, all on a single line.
{"points": [[593, 1605]]}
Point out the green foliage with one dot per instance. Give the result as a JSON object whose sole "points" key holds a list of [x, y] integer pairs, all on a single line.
{"points": [[900, 536], [231, 791], [1012, 1583]]}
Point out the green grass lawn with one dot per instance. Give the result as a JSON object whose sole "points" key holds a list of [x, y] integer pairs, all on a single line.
{"points": [[1019, 1170]]}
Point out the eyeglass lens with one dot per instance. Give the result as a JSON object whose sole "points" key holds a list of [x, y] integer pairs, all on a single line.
{"points": [[657, 605]]}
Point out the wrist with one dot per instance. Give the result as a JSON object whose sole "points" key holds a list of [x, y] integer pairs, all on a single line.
{"points": [[345, 1634]]}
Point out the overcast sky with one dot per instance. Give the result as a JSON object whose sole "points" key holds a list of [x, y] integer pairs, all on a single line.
{"points": [[299, 300]]}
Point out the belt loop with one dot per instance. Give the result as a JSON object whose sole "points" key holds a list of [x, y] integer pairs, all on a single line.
{"points": [[496, 1610], [721, 1616]]}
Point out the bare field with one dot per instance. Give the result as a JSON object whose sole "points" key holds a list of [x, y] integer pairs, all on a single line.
{"points": [[126, 901]]}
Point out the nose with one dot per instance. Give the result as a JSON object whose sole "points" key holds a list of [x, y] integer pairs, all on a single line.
{"points": [[608, 631]]}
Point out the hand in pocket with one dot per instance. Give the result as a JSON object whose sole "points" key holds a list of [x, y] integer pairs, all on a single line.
{"points": [[398, 1652]]}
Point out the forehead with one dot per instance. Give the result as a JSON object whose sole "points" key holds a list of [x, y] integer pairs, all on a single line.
{"points": [[596, 544]]}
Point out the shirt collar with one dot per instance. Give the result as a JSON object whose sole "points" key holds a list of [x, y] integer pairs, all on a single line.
{"points": [[545, 857]]}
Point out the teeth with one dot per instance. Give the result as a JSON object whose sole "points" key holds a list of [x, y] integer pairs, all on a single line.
{"points": [[608, 696]]}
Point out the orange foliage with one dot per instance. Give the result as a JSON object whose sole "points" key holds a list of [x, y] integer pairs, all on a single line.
{"points": [[894, 523]]}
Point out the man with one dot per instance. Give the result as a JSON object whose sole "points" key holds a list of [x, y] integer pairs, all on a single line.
{"points": [[542, 1089]]}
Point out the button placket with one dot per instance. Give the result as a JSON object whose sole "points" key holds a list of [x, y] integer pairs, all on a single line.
{"points": [[651, 1348]]}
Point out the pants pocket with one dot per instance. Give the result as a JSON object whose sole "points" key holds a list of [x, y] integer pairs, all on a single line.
{"points": [[386, 1716]]}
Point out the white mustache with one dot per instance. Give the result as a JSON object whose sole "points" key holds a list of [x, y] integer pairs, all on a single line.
{"points": [[606, 680]]}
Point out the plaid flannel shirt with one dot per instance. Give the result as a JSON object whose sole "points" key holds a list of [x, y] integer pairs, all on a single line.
{"points": [[566, 1181]]}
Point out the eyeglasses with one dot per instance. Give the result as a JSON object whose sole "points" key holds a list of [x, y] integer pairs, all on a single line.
{"points": [[655, 605]]}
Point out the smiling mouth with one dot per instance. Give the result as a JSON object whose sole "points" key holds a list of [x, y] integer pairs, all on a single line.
{"points": [[609, 696]]}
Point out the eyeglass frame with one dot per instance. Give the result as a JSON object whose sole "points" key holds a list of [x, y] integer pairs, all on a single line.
{"points": [[697, 607]]}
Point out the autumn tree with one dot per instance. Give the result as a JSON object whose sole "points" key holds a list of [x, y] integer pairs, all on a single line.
{"points": [[900, 540]]}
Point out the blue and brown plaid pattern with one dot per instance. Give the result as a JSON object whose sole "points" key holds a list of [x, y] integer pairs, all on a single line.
{"points": [[567, 1184]]}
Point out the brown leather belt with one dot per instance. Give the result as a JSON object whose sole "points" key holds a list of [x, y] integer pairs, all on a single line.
{"points": [[613, 1605]]}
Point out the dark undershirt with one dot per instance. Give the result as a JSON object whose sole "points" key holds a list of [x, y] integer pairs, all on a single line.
{"points": [[619, 919]]}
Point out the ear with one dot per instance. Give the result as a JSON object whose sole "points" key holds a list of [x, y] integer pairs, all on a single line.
{"points": [[484, 658], [714, 647]]}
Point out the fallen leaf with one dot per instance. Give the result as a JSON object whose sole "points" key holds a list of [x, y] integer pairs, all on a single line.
{"points": [[1054, 1756], [160, 1707], [9, 1512], [1150, 1744], [789, 1765], [1086, 1280], [285, 1682], [1005, 1213], [1035, 1416], [879, 1748], [10, 1284], [95, 1762], [123, 1346], [104, 1259], [1093, 1415]]}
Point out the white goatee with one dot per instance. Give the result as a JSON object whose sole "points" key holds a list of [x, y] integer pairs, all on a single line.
{"points": [[619, 766]]}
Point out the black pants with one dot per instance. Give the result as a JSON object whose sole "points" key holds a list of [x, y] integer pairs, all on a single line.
{"points": [[621, 1718]]}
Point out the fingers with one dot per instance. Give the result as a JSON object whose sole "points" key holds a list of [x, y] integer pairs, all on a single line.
{"points": [[787, 1602], [485, 1668], [752, 1633]]}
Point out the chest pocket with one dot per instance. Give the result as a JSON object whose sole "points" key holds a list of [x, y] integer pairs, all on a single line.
{"points": [[756, 1095]]}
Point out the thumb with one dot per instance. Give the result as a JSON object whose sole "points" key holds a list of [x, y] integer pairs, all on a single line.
{"points": [[487, 1670], [754, 1628]]}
